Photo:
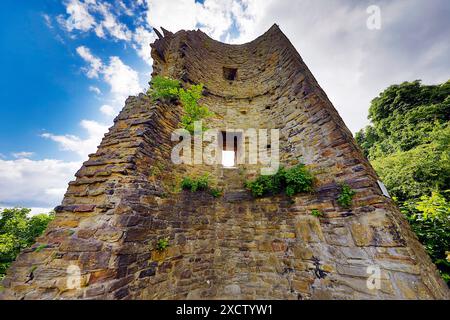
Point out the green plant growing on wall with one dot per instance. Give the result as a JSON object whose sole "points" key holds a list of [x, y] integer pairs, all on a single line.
{"points": [[201, 183], [298, 179], [291, 181], [162, 244], [317, 213], [157, 169], [166, 89], [194, 111], [346, 196], [163, 88], [40, 247], [265, 185], [216, 193], [195, 184]]}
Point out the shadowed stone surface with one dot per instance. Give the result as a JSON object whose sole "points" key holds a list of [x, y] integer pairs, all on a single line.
{"points": [[124, 199]]}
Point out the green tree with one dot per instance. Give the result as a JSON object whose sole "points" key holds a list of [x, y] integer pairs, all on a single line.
{"points": [[416, 172], [429, 218], [18, 230], [404, 117], [408, 144]]}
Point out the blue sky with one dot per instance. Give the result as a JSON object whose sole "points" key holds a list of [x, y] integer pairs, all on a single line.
{"points": [[68, 65], [44, 87]]}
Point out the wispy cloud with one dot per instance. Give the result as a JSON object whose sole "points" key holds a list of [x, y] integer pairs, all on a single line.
{"points": [[79, 17], [80, 146], [107, 110], [95, 89], [22, 154], [142, 39], [121, 78], [47, 20], [97, 16], [95, 64]]}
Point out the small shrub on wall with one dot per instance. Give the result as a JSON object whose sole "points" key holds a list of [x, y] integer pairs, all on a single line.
{"points": [[290, 181], [166, 89], [162, 244], [163, 89], [345, 198], [201, 183], [195, 184]]}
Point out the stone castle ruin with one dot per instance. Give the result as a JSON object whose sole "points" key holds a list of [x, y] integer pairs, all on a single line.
{"points": [[103, 241]]}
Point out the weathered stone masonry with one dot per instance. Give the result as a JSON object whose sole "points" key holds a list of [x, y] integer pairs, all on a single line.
{"points": [[124, 199]]}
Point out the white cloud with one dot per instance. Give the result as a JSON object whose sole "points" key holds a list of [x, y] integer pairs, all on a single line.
{"points": [[213, 17], [82, 147], [22, 154], [108, 110], [348, 60], [95, 15], [79, 16], [30, 183], [116, 29], [142, 38], [95, 89], [126, 10], [47, 20], [122, 79], [34, 210], [173, 15], [95, 64]]}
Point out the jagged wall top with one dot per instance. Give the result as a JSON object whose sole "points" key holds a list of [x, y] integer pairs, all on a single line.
{"points": [[202, 59]]}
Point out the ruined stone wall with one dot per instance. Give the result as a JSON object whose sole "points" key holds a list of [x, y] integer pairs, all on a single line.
{"points": [[126, 197]]}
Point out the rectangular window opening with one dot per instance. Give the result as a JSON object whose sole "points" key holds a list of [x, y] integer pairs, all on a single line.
{"points": [[228, 158], [229, 148], [229, 74]]}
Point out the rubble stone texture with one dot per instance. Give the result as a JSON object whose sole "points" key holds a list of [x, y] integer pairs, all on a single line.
{"points": [[126, 197]]}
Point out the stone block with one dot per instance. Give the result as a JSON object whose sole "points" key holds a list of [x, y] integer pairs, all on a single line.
{"points": [[301, 286], [232, 290], [308, 229], [80, 245]]}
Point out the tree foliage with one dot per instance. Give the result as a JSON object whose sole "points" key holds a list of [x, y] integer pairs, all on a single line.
{"points": [[416, 172], [408, 144], [405, 116], [18, 230], [429, 218]]}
